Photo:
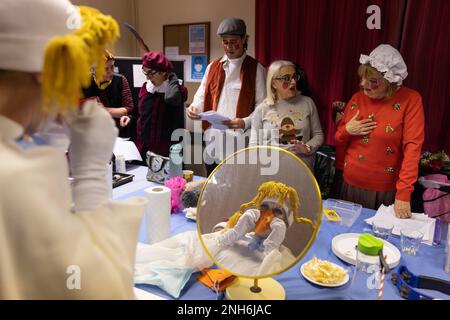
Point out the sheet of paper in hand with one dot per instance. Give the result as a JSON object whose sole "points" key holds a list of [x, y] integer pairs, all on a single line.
{"points": [[215, 119]]}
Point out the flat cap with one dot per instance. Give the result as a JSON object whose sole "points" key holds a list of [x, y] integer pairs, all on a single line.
{"points": [[232, 26]]}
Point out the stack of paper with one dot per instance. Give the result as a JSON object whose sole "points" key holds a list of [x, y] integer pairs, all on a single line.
{"points": [[418, 221], [216, 119]]}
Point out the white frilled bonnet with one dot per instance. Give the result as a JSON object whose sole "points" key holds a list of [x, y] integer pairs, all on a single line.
{"points": [[387, 60]]}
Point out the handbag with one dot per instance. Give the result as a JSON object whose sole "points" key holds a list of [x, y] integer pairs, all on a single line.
{"points": [[158, 167]]}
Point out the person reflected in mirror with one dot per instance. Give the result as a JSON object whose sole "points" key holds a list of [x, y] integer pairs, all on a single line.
{"points": [[263, 221]]}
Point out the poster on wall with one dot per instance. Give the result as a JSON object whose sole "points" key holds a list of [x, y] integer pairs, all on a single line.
{"points": [[198, 68], [197, 35], [139, 77]]}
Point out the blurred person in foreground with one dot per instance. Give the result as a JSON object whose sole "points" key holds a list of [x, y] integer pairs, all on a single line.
{"points": [[58, 244]]}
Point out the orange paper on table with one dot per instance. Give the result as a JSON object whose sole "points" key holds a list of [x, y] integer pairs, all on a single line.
{"points": [[211, 276]]}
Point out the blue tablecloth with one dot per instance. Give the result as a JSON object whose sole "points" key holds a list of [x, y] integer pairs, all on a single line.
{"points": [[429, 260]]}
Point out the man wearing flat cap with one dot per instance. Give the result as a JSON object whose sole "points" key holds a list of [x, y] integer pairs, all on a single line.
{"points": [[233, 85]]}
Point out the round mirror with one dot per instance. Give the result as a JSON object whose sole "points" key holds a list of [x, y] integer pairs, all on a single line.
{"points": [[259, 212]]}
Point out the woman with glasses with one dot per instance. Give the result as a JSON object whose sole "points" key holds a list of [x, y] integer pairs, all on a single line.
{"points": [[161, 105], [286, 118], [382, 130]]}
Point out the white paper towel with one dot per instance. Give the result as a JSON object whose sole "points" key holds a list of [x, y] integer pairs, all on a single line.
{"points": [[157, 213]]}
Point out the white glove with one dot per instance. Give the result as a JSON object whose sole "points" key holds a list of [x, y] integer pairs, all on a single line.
{"points": [[92, 135], [276, 236], [245, 224]]}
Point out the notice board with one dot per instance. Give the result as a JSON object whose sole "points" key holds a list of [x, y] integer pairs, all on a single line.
{"points": [[189, 43]]}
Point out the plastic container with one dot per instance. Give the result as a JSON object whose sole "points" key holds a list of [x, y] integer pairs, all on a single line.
{"points": [[348, 211], [367, 277], [176, 161], [447, 255], [120, 164]]}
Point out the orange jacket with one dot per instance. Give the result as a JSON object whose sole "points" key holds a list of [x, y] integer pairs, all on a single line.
{"points": [[387, 159]]}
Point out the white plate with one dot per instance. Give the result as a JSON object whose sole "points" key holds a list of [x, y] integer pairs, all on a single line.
{"points": [[344, 247], [325, 284]]}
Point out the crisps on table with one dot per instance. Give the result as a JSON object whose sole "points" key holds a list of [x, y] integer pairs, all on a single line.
{"points": [[324, 271]]}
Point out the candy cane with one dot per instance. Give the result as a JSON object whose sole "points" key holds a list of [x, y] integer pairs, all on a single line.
{"points": [[383, 273]]}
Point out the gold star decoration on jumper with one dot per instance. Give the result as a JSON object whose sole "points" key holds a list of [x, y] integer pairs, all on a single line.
{"points": [[365, 139], [389, 128], [389, 170]]}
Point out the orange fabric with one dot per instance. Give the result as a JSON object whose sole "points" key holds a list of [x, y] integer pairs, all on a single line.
{"points": [[211, 276], [264, 221], [388, 160], [214, 85]]}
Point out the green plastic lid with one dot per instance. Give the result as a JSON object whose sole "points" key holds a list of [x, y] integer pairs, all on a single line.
{"points": [[369, 245]]}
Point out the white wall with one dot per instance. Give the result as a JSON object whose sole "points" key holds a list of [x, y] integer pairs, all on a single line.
{"points": [[121, 10], [153, 14]]}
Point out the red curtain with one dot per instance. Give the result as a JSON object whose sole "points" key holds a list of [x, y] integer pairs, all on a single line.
{"points": [[426, 50], [326, 37]]}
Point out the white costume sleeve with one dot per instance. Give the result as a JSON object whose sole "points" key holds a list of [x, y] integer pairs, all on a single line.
{"points": [[260, 93], [46, 251], [245, 224], [276, 236]]}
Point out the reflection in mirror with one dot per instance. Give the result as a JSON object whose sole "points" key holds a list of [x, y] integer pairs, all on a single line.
{"points": [[254, 224]]}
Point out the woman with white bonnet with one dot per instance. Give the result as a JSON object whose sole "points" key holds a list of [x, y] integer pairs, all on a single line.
{"points": [[383, 131], [54, 244]]}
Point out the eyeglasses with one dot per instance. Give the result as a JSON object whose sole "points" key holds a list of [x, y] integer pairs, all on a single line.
{"points": [[149, 73], [288, 77]]}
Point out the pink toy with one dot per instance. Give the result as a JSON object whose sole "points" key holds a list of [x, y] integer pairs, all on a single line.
{"points": [[436, 203], [176, 186]]}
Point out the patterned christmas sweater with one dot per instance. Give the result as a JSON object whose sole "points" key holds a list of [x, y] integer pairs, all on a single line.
{"points": [[387, 158]]}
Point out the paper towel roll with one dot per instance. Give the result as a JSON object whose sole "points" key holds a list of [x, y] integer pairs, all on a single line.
{"points": [[157, 213]]}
